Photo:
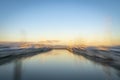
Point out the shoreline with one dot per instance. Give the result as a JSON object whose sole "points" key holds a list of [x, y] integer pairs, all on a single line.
{"points": [[100, 56], [22, 51]]}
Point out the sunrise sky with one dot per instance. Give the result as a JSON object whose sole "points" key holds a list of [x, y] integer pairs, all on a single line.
{"points": [[65, 20]]}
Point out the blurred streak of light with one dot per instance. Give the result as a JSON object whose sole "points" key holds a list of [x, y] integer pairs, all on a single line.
{"points": [[18, 69]]}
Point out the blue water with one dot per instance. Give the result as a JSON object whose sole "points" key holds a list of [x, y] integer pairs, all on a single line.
{"points": [[56, 65]]}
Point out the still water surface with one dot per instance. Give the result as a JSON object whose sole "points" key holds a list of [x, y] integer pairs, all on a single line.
{"points": [[57, 65]]}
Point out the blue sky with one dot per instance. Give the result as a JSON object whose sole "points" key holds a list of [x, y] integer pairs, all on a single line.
{"points": [[58, 19]]}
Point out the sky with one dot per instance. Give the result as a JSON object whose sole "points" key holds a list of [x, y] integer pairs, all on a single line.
{"points": [[65, 20]]}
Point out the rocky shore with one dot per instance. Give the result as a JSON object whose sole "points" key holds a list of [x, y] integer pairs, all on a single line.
{"points": [[21, 51], [110, 55]]}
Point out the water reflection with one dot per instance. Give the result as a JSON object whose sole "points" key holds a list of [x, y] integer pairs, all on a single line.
{"points": [[17, 69], [57, 65]]}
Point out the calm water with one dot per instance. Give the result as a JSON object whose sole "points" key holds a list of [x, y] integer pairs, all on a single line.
{"points": [[56, 65]]}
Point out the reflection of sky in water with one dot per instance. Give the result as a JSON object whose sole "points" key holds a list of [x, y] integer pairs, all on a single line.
{"points": [[6, 71], [58, 64]]}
